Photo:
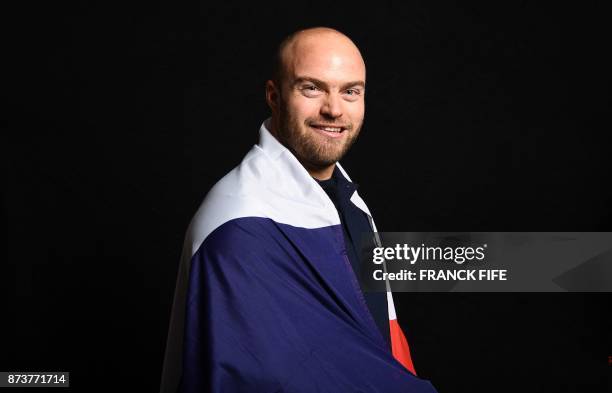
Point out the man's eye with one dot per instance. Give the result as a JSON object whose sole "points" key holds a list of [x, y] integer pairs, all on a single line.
{"points": [[310, 87], [352, 92]]}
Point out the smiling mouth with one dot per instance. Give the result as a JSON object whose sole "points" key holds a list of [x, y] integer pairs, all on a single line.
{"points": [[329, 130]]}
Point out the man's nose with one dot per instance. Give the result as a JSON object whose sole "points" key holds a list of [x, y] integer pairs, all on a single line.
{"points": [[332, 107]]}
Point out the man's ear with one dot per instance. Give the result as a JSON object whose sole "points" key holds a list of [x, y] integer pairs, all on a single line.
{"points": [[272, 95]]}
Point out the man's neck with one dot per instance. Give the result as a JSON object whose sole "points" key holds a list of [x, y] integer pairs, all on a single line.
{"points": [[321, 173]]}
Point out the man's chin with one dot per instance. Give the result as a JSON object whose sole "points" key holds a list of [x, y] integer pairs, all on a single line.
{"points": [[323, 160]]}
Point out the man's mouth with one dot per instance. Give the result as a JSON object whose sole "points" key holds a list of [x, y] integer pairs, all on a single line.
{"points": [[333, 131]]}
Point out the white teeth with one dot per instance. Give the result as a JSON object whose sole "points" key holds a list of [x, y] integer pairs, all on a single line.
{"points": [[332, 129]]}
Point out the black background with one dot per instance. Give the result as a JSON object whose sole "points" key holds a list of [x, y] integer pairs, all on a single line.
{"points": [[119, 118]]}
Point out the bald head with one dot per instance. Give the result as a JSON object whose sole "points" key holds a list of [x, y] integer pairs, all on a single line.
{"points": [[310, 42]]}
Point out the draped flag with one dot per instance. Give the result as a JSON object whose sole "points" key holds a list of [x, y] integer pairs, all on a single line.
{"points": [[266, 299]]}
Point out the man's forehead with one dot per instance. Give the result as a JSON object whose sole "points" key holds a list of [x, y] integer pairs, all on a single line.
{"points": [[325, 55], [328, 63]]}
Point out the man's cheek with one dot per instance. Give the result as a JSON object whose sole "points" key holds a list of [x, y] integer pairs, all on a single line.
{"points": [[308, 106], [357, 112]]}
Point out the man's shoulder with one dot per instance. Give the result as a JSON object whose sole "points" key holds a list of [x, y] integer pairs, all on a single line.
{"points": [[273, 187], [238, 194], [250, 233]]}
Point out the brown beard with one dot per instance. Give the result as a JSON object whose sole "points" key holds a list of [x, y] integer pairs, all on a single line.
{"points": [[307, 147]]}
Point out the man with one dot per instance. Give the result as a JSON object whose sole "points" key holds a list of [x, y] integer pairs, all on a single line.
{"points": [[267, 298]]}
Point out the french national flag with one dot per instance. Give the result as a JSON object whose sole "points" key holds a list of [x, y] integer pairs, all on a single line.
{"points": [[266, 299]]}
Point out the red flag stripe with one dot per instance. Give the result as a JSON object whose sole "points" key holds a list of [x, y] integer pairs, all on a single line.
{"points": [[399, 346]]}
